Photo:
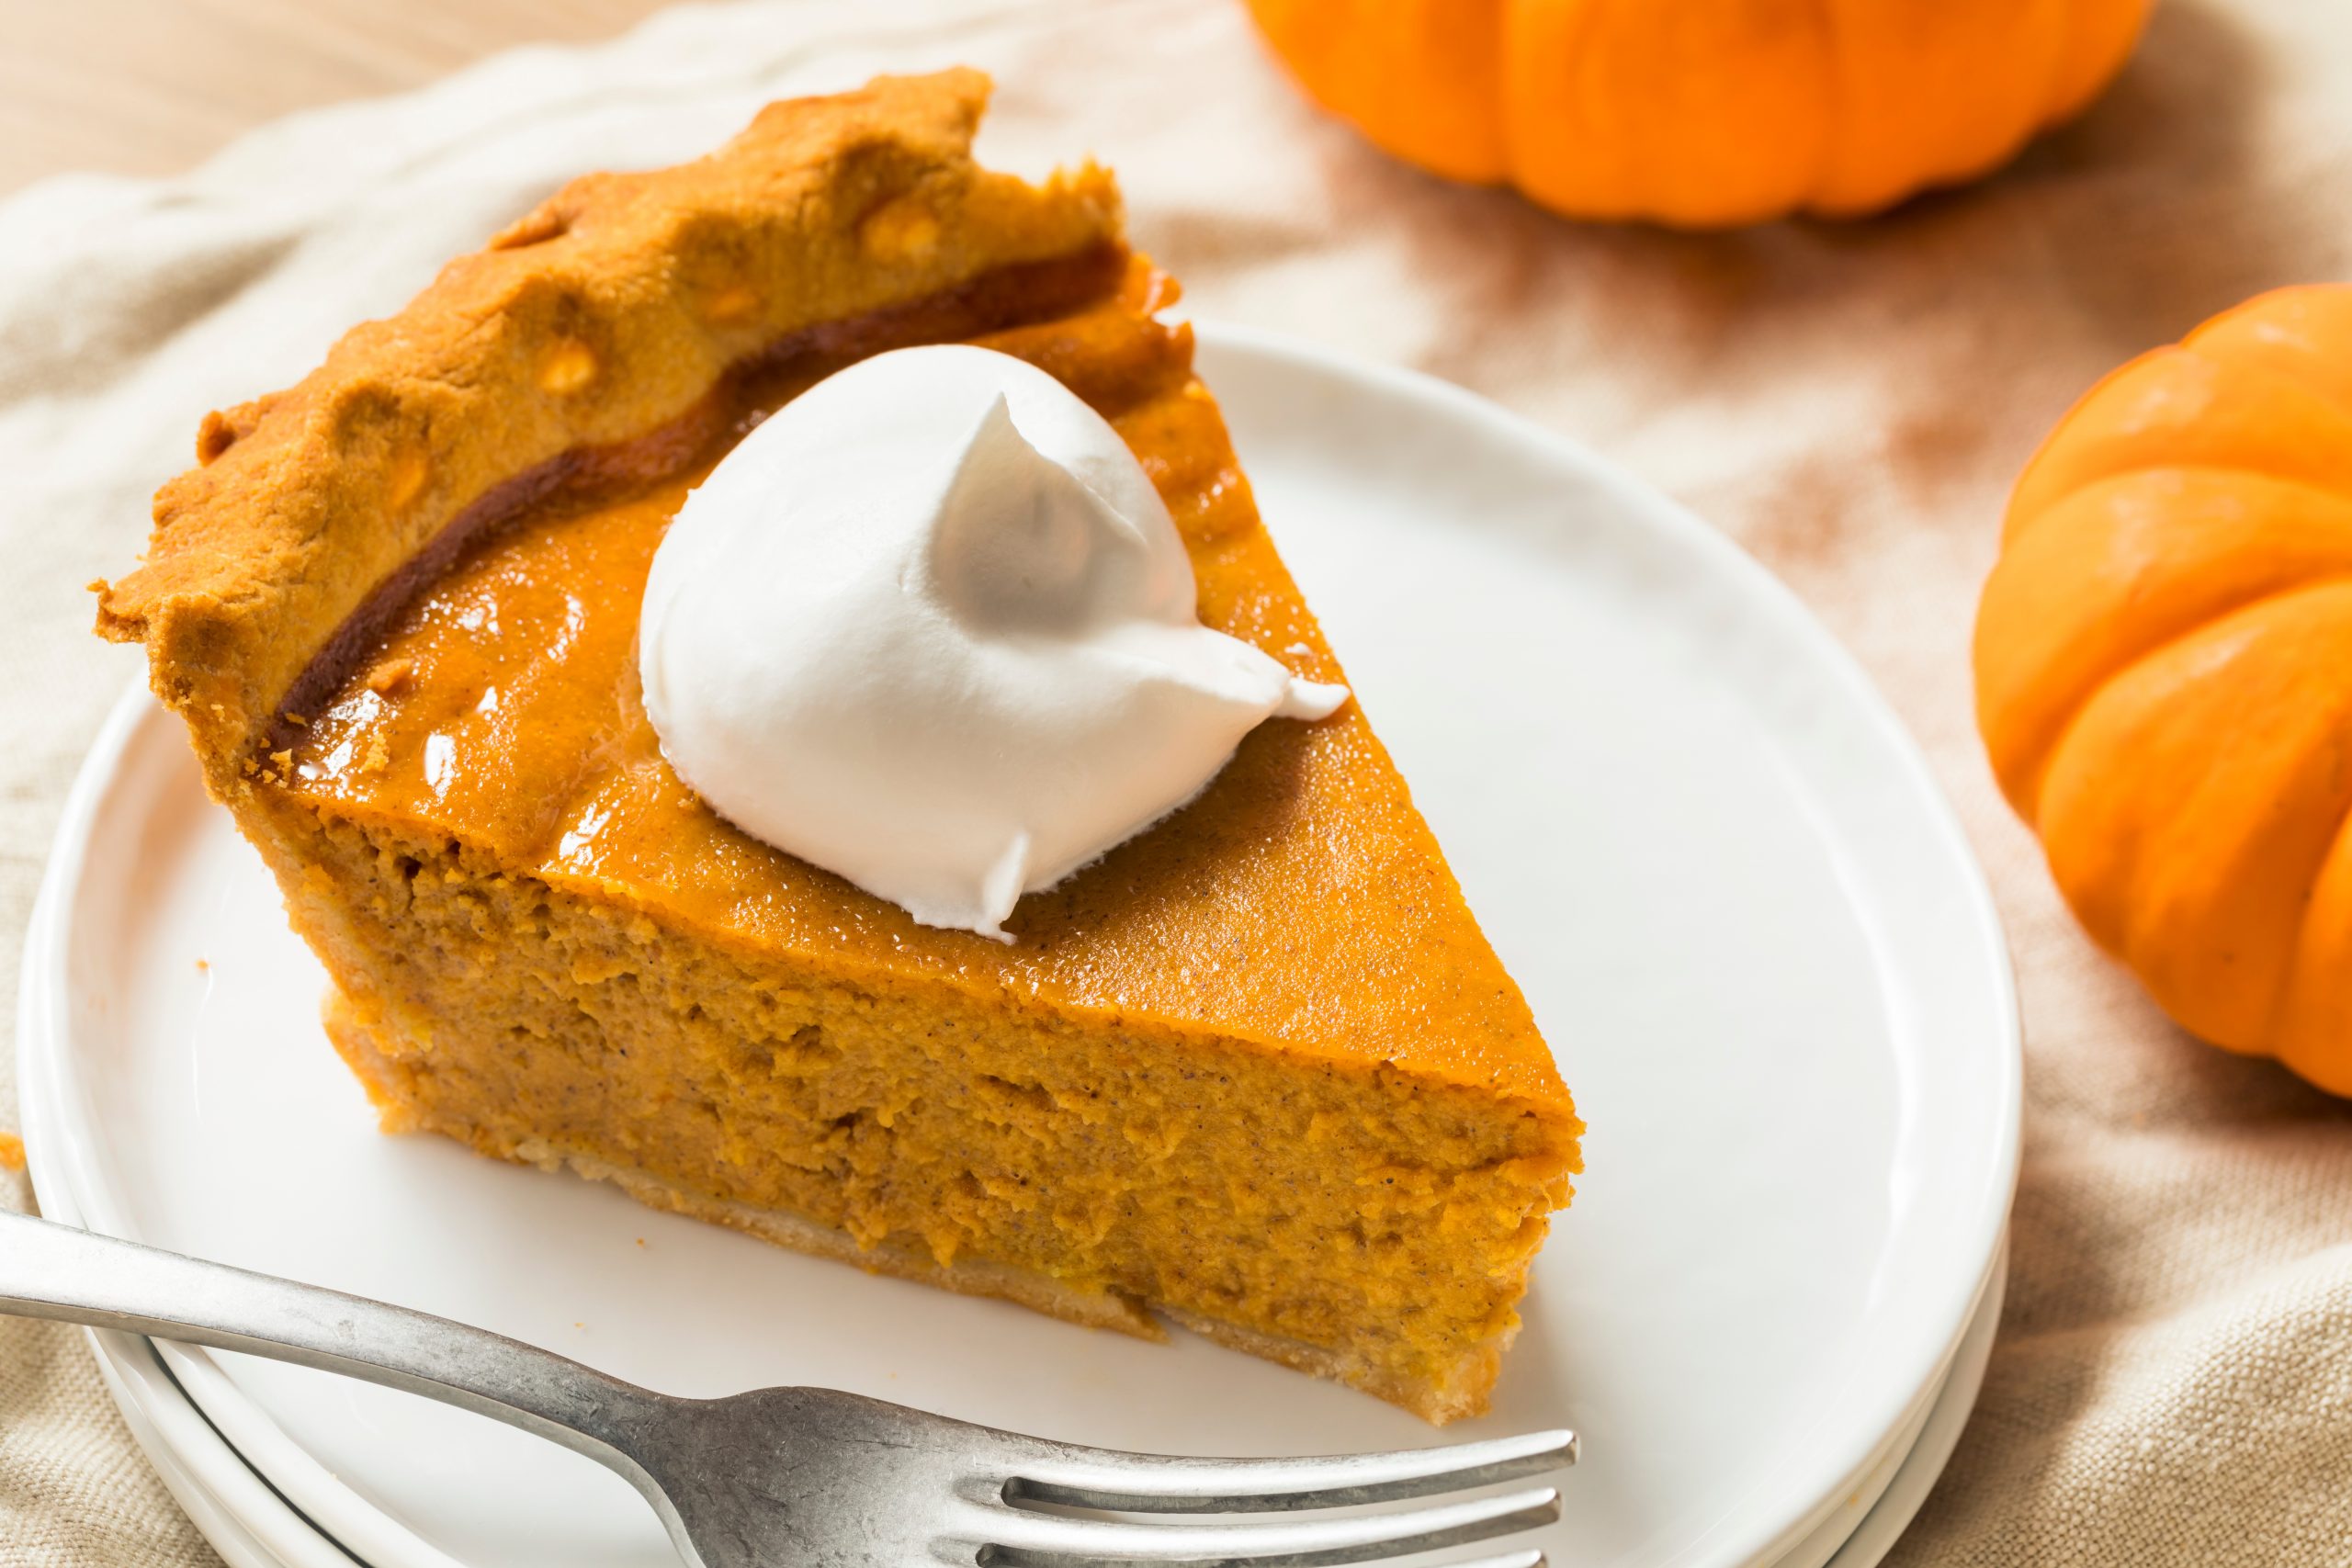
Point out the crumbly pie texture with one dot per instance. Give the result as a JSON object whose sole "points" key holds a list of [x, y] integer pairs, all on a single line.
{"points": [[1256, 1072]]}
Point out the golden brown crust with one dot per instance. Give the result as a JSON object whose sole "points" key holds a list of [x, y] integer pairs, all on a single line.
{"points": [[607, 313], [1467, 1390]]}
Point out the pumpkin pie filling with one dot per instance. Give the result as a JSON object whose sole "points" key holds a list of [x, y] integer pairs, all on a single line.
{"points": [[1256, 1070]]}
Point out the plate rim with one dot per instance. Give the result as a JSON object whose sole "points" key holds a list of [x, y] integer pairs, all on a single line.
{"points": [[231, 1503], [1771, 1531], [1877, 1531]]}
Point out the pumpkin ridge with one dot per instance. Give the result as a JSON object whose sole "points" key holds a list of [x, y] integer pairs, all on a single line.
{"points": [[1578, 119], [2305, 885], [1520, 146], [2072, 97], [1841, 109], [2195, 878], [2053, 111], [2281, 382], [2024, 525], [2212, 343], [2275, 1020], [1610, 155], [2017, 517], [1947, 160], [2251, 378], [2039, 773], [2271, 535]]}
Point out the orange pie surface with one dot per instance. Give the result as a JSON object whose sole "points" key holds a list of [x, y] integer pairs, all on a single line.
{"points": [[1299, 903]]}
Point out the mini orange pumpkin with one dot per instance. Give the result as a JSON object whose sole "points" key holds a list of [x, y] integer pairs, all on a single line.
{"points": [[1704, 112], [2164, 673]]}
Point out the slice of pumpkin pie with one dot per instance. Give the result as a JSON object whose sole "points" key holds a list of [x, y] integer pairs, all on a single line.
{"points": [[1255, 1070]]}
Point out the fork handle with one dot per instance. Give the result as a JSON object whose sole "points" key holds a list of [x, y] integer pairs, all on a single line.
{"points": [[56, 1272]]}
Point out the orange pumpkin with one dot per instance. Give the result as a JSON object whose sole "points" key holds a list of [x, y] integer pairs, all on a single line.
{"points": [[2164, 673], [1704, 112]]}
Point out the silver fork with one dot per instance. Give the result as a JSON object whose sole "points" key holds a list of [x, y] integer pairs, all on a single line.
{"points": [[783, 1477]]}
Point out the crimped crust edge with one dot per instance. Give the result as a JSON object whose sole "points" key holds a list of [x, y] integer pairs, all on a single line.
{"points": [[609, 311]]}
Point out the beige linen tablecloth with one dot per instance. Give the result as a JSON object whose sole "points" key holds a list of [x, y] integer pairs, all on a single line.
{"points": [[2173, 1378]]}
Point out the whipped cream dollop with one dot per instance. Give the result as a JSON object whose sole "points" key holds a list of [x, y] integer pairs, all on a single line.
{"points": [[929, 626]]}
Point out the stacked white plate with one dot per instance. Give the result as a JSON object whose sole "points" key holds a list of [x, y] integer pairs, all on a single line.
{"points": [[1745, 919]]}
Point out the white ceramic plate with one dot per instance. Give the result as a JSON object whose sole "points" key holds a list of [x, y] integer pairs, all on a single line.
{"points": [[1722, 872]]}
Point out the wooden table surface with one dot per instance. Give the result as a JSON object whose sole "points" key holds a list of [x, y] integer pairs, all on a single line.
{"points": [[151, 86]]}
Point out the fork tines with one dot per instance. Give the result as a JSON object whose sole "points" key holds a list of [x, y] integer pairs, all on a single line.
{"points": [[1025, 1536]]}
